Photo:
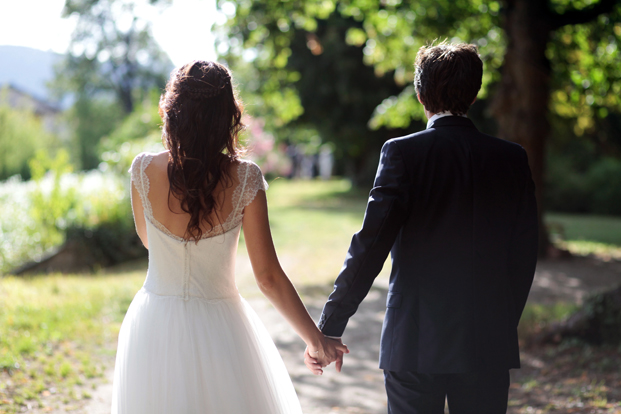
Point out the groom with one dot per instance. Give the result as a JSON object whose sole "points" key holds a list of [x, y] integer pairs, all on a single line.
{"points": [[456, 209]]}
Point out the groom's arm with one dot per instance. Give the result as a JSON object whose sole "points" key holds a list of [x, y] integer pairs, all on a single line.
{"points": [[386, 211]]}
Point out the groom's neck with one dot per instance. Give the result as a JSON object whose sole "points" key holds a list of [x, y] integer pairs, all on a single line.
{"points": [[429, 114]]}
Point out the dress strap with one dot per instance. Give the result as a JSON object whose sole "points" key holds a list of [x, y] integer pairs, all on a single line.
{"points": [[242, 173], [141, 181], [251, 180]]}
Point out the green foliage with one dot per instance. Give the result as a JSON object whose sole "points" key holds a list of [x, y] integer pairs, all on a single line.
{"points": [[566, 188], [139, 131], [587, 75], [58, 205], [91, 208], [605, 184], [21, 134], [50, 207], [90, 120], [595, 189], [394, 31], [388, 35], [100, 129], [143, 122], [112, 63], [311, 77]]}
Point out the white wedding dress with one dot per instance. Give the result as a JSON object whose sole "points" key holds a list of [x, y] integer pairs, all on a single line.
{"points": [[189, 342]]}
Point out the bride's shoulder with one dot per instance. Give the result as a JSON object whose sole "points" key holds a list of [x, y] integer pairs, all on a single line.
{"points": [[248, 168], [251, 173], [144, 159], [244, 163], [160, 158]]}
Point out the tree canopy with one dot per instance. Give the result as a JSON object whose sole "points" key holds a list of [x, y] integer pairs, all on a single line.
{"points": [[582, 49], [112, 63], [112, 50], [541, 58]]}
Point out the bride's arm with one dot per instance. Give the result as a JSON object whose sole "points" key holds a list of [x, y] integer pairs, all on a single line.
{"points": [[275, 284], [138, 210]]}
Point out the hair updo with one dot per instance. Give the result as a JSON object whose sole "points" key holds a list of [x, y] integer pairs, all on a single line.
{"points": [[201, 124]]}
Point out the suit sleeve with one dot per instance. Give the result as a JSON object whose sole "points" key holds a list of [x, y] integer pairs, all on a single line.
{"points": [[386, 211], [524, 243]]}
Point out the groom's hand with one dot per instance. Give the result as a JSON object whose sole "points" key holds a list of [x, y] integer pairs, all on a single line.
{"points": [[339, 360], [341, 349]]}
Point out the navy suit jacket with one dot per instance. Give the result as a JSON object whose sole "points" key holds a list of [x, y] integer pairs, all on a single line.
{"points": [[456, 209]]}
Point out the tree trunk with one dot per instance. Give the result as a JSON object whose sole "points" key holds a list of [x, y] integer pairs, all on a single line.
{"points": [[521, 102], [125, 96]]}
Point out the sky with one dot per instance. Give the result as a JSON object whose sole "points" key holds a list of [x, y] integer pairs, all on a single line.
{"points": [[37, 24]]}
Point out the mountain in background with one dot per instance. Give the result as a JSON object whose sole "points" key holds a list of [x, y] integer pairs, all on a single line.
{"points": [[28, 70]]}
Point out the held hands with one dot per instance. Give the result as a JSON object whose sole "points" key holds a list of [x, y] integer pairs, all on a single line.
{"points": [[329, 350]]}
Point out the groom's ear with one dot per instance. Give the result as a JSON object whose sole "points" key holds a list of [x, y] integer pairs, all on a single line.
{"points": [[419, 100]]}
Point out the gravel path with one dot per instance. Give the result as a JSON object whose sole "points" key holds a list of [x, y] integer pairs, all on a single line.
{"points": [[359, 388]]}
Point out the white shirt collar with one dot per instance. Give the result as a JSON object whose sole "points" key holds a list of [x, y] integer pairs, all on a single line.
{"points": [[438, 116]]}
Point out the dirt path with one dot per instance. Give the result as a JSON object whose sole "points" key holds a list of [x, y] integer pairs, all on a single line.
{"points": [[359, 388]]}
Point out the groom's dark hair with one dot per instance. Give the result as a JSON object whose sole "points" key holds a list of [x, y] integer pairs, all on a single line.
{"points": [[448, 77]]}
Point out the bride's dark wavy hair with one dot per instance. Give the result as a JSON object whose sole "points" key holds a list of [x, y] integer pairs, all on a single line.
{"points": [[201, 124]]}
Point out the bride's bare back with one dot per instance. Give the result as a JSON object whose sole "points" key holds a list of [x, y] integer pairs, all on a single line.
{"points": [[167, 209]]}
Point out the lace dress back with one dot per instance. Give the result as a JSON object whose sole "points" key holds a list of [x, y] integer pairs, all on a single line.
{"points": [[189, 342], [250, 181], [207, 267]]}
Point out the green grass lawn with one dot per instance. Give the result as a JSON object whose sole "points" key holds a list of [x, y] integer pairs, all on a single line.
{"points": [[57, 335], [312, 223], [57, 332], [602, 229], [587, 234]]}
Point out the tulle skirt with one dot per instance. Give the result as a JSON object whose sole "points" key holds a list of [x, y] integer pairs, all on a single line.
{"points": [[198, 356]]}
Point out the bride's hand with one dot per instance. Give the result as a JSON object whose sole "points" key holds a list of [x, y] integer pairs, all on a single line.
{"points": [[328, 351]]}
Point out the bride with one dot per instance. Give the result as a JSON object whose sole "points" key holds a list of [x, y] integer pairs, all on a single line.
{"points": [[189, 343]]}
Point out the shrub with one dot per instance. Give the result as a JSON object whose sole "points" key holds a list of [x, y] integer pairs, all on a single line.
{"points": [[567, 188], [21, 133], [594, 189], [605, 186], [92, 209]]}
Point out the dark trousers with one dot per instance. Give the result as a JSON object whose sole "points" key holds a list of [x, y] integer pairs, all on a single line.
{"points": [[476, 393]]}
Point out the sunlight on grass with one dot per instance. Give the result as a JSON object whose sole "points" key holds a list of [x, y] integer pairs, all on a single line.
{"points": [[603, 229], [585, 248], [584, 235], [54, 331], [536, 316], [312, 223]]}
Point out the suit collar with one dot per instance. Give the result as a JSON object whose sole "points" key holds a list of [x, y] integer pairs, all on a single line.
{"points": [[447, 121]]}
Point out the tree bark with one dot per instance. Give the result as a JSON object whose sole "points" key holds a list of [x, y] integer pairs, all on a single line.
{"points": [[521, 102]]}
